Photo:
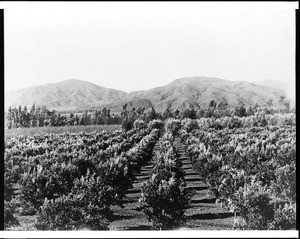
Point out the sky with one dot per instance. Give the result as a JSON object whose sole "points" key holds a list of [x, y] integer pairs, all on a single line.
{"points": [[141, 45]]}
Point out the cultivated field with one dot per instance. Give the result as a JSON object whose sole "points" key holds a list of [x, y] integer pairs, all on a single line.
{"points": [[14, 132], [205, 174]]}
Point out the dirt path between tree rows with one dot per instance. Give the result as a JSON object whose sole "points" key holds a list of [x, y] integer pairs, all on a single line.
{"points": [[202, 214]]}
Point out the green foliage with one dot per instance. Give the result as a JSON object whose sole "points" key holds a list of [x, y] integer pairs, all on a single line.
{"points": [[248, 168], [93, 189], [57, 165], [104, 184], [240, 111], [141, 154], [87, 206], [117, 176], [253, 203], [284, 218], [41, 116], [9, 218], [164, 196], [209, 167], [152, 115], [164, 201], [127, 123], [27, 208], [71, 212], [139, 124], [285, 184], [167, 113], [189, 125], [188, 113], [156, 124], [99, 167], [167, 164], [35, 187], [234, 122], [173, 125]]}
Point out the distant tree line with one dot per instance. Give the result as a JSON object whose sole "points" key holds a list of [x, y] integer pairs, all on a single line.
{"points": [[42, 117], [214, 110]]}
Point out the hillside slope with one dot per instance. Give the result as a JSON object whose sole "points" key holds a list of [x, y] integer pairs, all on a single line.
{"points": [[64, 95], [199, 91], [180, 93]]}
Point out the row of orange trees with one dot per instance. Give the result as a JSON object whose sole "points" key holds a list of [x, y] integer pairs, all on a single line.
{"points": [[70, 180], [164, 196], [251, 170]]}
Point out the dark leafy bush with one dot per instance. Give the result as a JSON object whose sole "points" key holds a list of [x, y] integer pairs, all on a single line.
{"points": [[189, 124], [284, 218], [87, 206], [127, 123], [234, 122], [173, 125], [253, 203], [139, 124], [167, 164], [26, 208], [70, 213], [9, 218], [164, 201], [156, 124], [285, 184], [38, 185], [117, 176]]}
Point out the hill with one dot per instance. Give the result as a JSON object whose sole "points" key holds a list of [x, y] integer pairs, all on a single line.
{"points": [[288, 88], [271, 83], [180, 93], [199, 91], [64, 95]]}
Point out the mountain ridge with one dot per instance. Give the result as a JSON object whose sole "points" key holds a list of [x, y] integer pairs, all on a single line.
{"points": [[74, 94]]}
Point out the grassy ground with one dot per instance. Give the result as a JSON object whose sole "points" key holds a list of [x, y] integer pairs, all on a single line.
{"points": [[71, 129]]}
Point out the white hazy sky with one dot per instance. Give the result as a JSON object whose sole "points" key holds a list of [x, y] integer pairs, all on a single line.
{"points": [[140, 45]]}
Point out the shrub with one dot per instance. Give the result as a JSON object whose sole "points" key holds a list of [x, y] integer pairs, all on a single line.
{"points": [[139, 124], [43, 181], [139, 155], [9, 218], [167, 163], [183, 134], [189, 124], [127, 123], [8, 187], [168, 136], [36, 186], [285, 184], [234, 122], [26, 208], [284, 218], [164, 201], [86, 206], [253, 203], [156, 124], [70, 213], [116, 176], [173, 125]]}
